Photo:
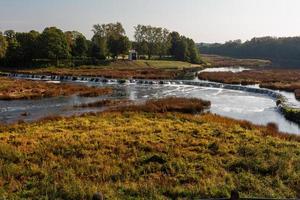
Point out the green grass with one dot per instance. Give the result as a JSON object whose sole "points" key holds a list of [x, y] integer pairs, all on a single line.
{"points": [[135, 155]]}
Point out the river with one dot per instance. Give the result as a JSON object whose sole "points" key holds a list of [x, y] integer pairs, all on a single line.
{"points": [[257, 108]]}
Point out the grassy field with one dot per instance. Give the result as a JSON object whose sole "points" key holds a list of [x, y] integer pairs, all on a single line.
{"points": [[13, 89], [140, 69], [146, 155], [222, 61]]}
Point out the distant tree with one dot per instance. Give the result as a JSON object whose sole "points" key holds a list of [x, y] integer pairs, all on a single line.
{"points": [[76, 43], [53, 44], [152, 40], [99, 47], [80, 47], [106, 30], [109, 39], [183, 48], [118, 45], [193, 52], [282, 51], [27, 46], [13, 55], [163, 42], [3, 46], [174, 38], [10, 35]]}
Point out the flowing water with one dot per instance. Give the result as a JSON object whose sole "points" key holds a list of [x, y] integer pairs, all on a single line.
{"points": [[259, 108]]}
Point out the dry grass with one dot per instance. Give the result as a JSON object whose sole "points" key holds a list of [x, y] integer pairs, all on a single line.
{"points": [[13, 89], [221, 61], [141, 69], [287, 80], [138, 155], [171, 104]]}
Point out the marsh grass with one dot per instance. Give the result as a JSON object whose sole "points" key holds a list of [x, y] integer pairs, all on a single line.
{"points": [[287, 80], [139, 155], [170, 104], [147, 153], [13, 89], [222, 61], [140, 69]]}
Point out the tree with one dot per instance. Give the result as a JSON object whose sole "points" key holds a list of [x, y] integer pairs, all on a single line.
{"points": [[76, 43], [10, 35], [99, 47], [193, 52], [80, 47], [152, 40], [53, 44], [27, 46], [3, 46], [118, 45], [183, 48], [109, 39]]}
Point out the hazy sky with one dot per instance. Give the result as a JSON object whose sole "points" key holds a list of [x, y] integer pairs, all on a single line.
{"points": [[203, 20]]}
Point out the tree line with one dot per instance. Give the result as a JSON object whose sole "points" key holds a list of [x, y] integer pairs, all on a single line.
{"points": [[109, 41], [284, 50]]}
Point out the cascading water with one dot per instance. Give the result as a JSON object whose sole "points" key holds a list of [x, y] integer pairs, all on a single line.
{"points": [[240, 102]]}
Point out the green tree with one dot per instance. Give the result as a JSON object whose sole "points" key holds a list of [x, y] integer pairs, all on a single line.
{"points": [[27, 47], [152, 40], [53, 44], [80, 47], [193, 52], [184, 49], [99, 47], [118, 45], [76, 43], [3, 46], [108, 39]]}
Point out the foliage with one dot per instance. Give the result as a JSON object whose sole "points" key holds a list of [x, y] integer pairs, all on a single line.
{"points": [[71, 48], [53, 44], [3, 46], [183, 48], [118, 45], [135, 155], [77, 43], [284, 50], [109, 39]]}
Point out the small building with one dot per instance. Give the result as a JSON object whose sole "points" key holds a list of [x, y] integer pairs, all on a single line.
{"points": [[133, 55]]}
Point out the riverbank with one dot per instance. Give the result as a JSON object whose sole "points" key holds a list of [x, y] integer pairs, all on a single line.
{"points": [[286, 80], [223, 61], [146, 155], [14, 89], [122, 69]]}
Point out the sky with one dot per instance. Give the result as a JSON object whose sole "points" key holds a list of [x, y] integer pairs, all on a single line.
{"points": [[202, 20]]}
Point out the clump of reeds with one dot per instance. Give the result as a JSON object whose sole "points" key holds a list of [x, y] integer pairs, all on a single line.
{"points": [[25, 89], [170, 104]]}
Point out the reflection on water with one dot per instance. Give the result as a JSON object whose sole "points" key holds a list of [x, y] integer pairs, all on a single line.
{"points": [[256, 108]]}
